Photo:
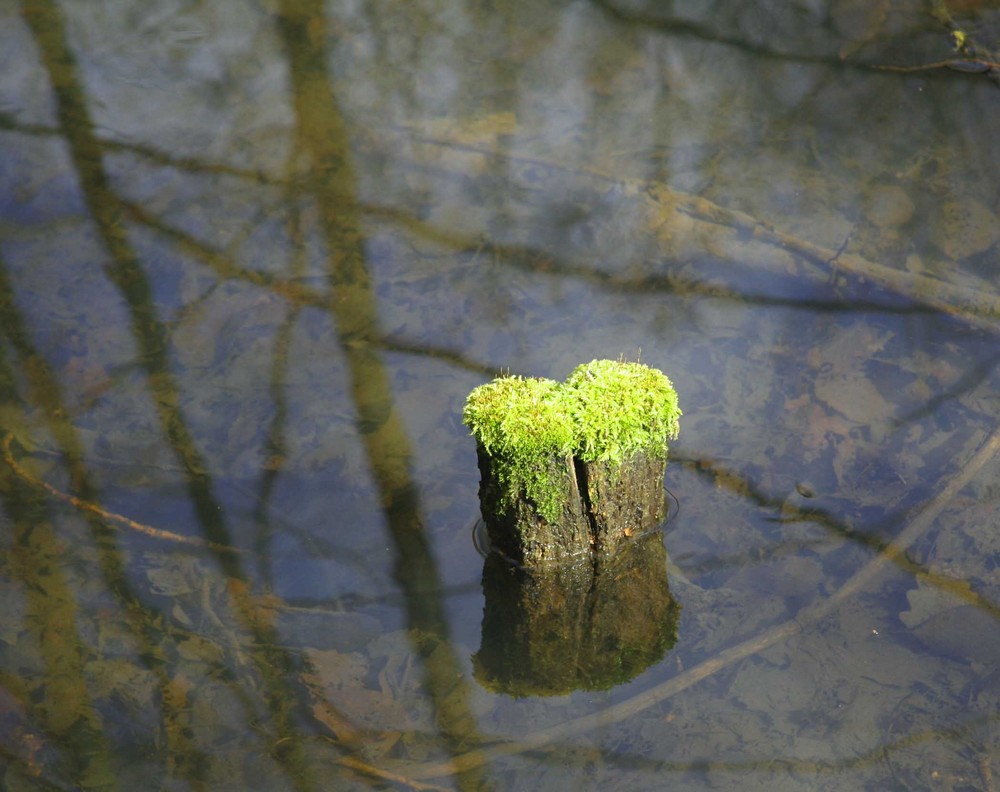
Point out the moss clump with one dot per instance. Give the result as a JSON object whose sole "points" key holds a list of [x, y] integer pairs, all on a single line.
{"points": [[621, 408], [605, 412], [522, 423]]}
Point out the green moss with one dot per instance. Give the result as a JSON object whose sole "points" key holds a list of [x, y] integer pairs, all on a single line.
{"points": [[621, 408], [606, 411], [522, 423]]}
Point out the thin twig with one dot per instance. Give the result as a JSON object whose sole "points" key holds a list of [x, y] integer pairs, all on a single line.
{"points": [[966, 65], [368, 769], [986, 772]]}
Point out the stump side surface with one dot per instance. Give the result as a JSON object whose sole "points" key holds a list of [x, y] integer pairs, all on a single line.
{"points": [[603, 507], [517, 528], [624, 500]]}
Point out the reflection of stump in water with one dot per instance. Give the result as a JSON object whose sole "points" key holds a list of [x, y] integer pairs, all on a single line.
{"points": [[564, 627], [569, 469]]}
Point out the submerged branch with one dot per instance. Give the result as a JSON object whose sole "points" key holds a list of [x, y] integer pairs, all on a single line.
{"points": [[676, 219], [974, 306]]}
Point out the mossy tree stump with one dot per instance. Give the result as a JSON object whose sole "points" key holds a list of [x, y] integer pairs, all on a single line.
{"points": [[568, 469]]}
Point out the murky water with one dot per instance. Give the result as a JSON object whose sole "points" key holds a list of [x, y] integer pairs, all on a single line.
{"points": [[253, 259]]}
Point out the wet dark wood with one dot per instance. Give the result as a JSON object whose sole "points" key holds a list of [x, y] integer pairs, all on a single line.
{"points": [[521, 533], [622, 501], [602, 506]]}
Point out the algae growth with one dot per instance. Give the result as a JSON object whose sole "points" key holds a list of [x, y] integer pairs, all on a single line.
{"points": [[606, 411]]}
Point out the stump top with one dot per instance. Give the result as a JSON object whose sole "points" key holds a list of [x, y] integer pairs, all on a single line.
{"points": [[606, 411], [522, 417], [622, 408]]}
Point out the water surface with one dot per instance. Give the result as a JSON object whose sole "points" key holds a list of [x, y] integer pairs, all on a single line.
{"points": [[253, 259]]}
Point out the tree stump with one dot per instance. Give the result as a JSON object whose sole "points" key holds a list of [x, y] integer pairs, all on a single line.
{"points": [[575, 468], [518, 529]]}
